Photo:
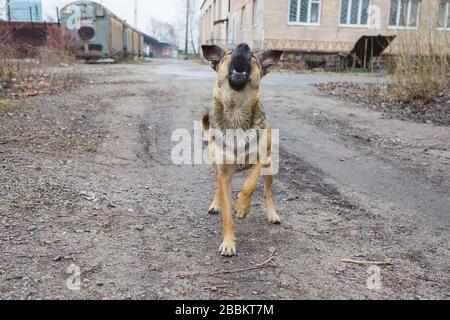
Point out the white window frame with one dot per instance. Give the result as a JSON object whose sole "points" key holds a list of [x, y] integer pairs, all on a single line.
{"points": [[349, 13], [397, 23], [446, 17], [298, 23], [255, 16]]}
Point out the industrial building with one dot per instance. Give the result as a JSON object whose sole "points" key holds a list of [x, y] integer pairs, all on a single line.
{"points": [[24, 10], [101, 34]]}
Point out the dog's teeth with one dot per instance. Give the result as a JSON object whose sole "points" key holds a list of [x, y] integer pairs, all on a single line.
{"points": [[234, 71]]}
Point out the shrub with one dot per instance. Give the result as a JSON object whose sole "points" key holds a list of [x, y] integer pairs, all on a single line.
{"points": [[422, 63]]}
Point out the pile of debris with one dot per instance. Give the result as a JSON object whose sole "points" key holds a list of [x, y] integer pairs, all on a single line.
{"points": [[378, 97]]}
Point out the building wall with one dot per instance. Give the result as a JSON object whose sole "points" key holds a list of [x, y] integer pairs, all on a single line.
{"points": [[271, 29], [228, 22], [214, 22], [329, 35]]}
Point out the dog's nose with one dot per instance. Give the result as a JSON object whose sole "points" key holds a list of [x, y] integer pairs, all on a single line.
{"points": [[243, 48]]}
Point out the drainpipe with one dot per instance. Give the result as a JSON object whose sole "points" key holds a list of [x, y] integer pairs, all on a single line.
{"points": [[58, 17], [8, 6], [187, 31]]}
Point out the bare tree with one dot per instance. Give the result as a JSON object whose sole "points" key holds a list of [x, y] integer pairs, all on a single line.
{"points": [[194, 21], [162, 31]]}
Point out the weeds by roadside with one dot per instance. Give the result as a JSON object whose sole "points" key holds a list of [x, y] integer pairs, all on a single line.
{"points": [[435, 109], [422, 59]]}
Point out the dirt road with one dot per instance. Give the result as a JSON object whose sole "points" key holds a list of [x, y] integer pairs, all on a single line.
{"points": [[87, 181]]}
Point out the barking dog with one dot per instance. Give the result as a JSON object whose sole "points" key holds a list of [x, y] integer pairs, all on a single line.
{"points": [[239, 120]]}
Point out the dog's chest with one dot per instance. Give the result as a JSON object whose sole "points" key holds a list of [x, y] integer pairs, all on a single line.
{"points": [[236, 135]]}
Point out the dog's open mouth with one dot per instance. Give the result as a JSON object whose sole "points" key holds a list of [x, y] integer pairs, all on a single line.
{"points": [[240, 67]]}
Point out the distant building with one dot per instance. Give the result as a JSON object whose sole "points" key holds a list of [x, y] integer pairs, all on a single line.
{"points": [[324, 27], [26, 10], [99, 33]]}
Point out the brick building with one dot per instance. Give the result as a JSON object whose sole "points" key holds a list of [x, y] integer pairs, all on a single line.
{"points": [[317, 26]]}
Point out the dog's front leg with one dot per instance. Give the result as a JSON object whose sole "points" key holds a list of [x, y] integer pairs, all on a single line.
{"points": [[215, 205], [228, 247], [245, 196]]}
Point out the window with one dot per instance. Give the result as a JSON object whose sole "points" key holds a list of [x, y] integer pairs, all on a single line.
{"points": [[255, 12], [355, 12], [304, 11], [444, 15], [243, 20], [232, 31], [404, 13]]}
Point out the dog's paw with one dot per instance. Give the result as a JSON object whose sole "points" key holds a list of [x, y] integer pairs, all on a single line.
{"points": [[214, 211], [228, 249], [274, 218], [242, 209]]}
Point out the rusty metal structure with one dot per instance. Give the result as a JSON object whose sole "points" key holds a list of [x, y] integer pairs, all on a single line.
{"points": [[99, 33]]}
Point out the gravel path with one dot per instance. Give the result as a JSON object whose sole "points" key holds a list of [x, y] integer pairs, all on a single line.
{"points": [[87, 183]]}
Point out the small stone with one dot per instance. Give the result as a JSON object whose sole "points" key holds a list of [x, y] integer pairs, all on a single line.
{"points": [[90, 196], [140, 227], [99, 284], [57, 258]]}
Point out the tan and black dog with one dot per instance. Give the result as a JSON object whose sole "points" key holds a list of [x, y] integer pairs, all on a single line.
{"points": [[238, 108]]}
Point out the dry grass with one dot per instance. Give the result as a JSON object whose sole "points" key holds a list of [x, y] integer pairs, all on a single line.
{"points": [[422, 64], [36, 69], [8, 105], [19, 60]]}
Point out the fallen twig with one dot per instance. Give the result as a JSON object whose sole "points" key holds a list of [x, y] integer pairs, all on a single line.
{"points": [[373, 263], [19, 140], [268, 263]]}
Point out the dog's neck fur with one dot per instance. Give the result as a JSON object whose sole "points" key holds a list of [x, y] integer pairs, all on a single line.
{"points": [[238, 110]]}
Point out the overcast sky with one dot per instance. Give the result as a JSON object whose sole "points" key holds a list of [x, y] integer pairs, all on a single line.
{"points": [[165, 10]]}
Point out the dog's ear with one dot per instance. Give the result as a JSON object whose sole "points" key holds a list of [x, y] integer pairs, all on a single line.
{"points": [[268, 59], [213, 54]]}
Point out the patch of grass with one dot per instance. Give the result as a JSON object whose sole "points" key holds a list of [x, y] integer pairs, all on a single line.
{"points": [[8, 105], [353, 70]]}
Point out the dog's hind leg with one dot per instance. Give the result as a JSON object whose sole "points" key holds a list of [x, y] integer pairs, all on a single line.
{"points": [[228, 247], [271, 211], [244, 201], [215, 205]]}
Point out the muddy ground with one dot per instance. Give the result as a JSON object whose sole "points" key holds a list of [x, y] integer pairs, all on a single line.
{"points": [[86, 180]]}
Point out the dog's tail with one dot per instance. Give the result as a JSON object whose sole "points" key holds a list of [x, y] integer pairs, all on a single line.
{"points": [[206, 123]]}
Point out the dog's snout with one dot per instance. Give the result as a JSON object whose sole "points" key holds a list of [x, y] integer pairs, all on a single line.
{"points": [[240, 67], [243, 48]]}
